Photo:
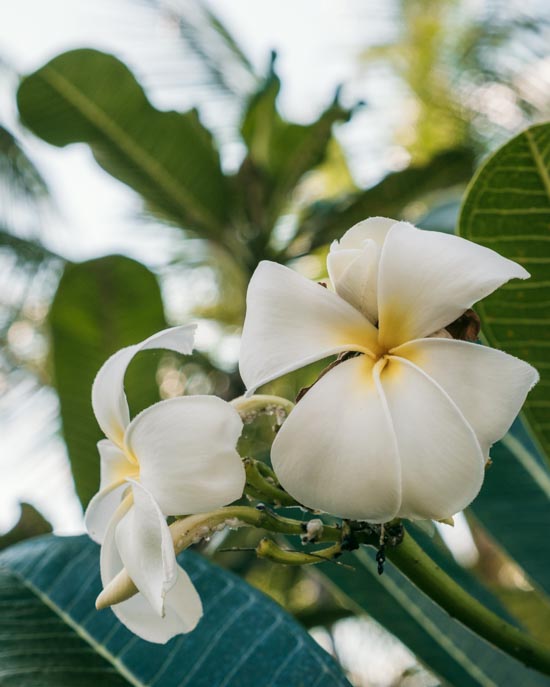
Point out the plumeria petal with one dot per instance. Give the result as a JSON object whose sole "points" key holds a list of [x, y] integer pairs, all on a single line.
{"points": [[182, 614], [354, 275], [115, 465], [182, 604], [145, 548], [187, 455], [372, 229], [488, 386], [101, 508], [427, 279], [291, 322], [352, 264], [108, 397], [442, 465], [337, 452]]}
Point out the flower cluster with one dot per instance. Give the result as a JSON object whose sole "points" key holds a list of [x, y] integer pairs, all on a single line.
{"points": [[177, 456], [398, 426]]}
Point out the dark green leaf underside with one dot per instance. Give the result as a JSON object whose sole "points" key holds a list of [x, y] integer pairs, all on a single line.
{"points": [[513, 504], [51, 634], [445, 646]]}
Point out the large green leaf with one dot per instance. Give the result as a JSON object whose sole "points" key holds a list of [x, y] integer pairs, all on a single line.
{"points": [[52, 636], [31, 523], [507, 208], [100, 306], [279, 152], [325, 222], [444, 645], [167, 157], [514, 504]]}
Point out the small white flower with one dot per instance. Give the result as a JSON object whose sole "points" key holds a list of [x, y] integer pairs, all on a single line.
{"points": [[404, 428], [176, 457]]}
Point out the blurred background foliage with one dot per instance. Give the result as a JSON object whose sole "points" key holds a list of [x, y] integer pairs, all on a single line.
{"points": [[252, 185]]}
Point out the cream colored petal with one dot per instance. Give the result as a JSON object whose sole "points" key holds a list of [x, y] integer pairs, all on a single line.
{"points": [[145, 547], [354, 275], [108, 397], [442, 466], [372, 229], [101, 508], [488, 386], [182, 604], [336, 452], [115, 466], [427, 279], [352, 264], [187, 456], [291, 322], [338, 260]]}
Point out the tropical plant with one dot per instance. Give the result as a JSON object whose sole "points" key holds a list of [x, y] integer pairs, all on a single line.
{"points": [[236, 220]]}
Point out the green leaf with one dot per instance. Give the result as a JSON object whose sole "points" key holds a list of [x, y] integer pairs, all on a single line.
{"points": [[513, 505], [326, 222], [444, 645], [507, 208], [52, 636], [26, 251], [100, 306], [279, 152], [18, 175], [167, 157], [31, 523]]}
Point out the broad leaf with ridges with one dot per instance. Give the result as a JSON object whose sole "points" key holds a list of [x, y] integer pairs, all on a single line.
{"points": [[167, 157], [52, 636], [100, 306], [444, 645], [513, 505], [507, 208]]}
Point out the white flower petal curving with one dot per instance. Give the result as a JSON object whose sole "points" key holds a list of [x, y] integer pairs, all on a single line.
{"points": [[108, 397], [337, 452], [489, 386], [115, 465], [442, 465], [427, 279], [101, 508], [145, 547], [292, 322], [354, 274], [186, 449], [182, 607], [372, 229]]}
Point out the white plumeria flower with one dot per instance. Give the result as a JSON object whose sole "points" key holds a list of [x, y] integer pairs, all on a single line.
{"points": [[176, 457], [404, 428]]}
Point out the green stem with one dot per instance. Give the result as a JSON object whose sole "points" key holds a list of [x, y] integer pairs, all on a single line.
{"points": [[431, 579], [268, 549], [261, 485], [187, 531], [191, 529]]}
